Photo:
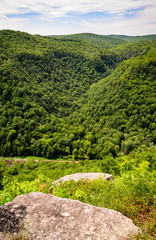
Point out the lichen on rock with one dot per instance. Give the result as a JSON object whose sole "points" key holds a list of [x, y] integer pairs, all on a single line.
{"points": [[53, 218]]}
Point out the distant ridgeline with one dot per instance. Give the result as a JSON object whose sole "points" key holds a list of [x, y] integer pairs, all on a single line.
{"points": [[84, 95]]}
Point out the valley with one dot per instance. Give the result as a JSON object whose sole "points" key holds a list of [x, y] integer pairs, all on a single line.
{"points": [[81, 103]]}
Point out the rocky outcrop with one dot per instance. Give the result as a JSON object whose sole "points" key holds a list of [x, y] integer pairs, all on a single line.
{"points": [[47, 217], [77, 176]]}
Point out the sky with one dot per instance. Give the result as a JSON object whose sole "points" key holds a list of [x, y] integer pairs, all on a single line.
{"points": [[58, 17]]}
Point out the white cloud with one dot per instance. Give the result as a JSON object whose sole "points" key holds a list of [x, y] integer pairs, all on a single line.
{"points": [[88, 24], [142, 24], [64, 22], [60, 8], [49, 11], [14, 23]]}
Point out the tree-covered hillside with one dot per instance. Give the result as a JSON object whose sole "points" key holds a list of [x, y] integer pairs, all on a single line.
{"points": [[134, 38], [32, 67], [63, 96], [107, 41], [118, 113], [101, 40], [139, 48]]}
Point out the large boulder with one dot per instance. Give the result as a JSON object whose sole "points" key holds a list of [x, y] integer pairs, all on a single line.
{"points": [[46, 217], [77, 176]]}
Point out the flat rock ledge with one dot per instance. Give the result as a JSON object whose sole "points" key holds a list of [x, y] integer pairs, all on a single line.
{"points": [[77, 176], [46, 217]]}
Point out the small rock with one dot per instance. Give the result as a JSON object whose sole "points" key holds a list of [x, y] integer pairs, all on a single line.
{"points": [[77, 176]]}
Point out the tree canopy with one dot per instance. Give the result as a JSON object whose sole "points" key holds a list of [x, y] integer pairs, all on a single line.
{"points": [[68, 96]]}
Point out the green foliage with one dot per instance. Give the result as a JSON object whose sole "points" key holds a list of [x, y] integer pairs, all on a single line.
{"points": [[130, 50], [132, 193], [119, 111], [14, 188], [101, 40], [69, 96], [41, 81], [56, 98], [135, 38], [109, 194]]}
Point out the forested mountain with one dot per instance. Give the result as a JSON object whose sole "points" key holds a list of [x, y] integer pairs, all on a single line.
{"points": [[118, 112], [101, 40], [134, 38], [66, 96], [139, 48], [107, 41]]}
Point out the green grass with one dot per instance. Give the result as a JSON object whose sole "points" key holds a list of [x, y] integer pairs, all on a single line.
{"points": [[66, 158], [33, 158], [132, 195], [133, 192]]}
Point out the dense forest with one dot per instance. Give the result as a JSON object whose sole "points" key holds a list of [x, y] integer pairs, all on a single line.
{"points": [[104, 41], [88, 102], [134, 38], [68, 96]]}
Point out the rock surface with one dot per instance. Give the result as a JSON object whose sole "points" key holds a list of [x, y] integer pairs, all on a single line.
{"points": [[48, 217], [77, 176]]}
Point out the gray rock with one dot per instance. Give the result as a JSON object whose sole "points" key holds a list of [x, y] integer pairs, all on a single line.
{"points": [[77, 176], [47, 217]]}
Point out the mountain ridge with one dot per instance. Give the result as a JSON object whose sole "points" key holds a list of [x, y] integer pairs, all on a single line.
{"points": [[46, 83], [106, 41]]}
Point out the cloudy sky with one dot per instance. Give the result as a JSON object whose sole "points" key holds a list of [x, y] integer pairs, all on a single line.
{"points": [[131, 17]]}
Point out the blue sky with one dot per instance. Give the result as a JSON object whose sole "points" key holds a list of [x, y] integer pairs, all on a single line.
{"points": [[130, 17]]}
